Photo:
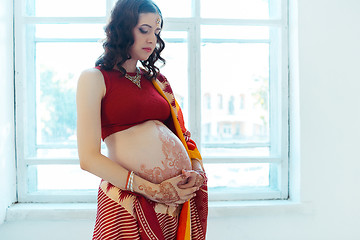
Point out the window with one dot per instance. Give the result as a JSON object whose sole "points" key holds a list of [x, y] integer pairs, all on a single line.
{"points": [[207, 101], [235, 51], [231, 105], [220, 101], [242, 101]]}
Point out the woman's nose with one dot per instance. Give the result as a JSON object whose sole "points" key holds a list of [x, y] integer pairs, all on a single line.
{"points": [[151, 39]]}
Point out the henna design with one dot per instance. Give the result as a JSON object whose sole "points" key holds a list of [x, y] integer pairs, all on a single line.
{"points": [[173, 162], [148, 190], [166, 194]]}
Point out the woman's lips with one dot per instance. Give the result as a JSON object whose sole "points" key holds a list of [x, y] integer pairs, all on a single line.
{"points": [[147, 49]]}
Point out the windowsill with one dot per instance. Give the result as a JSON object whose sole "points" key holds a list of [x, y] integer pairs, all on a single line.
{"points": [[87, 211], [258, 208], [51, 211]]}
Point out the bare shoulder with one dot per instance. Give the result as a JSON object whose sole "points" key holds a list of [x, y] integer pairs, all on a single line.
{"points": [[91, 80], [91, 75]]}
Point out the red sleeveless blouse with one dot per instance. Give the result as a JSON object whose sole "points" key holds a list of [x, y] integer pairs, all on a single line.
{"points": [[125, 105]]}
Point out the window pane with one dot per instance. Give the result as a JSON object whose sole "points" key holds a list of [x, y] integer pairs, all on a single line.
{"points": [[70, 31], [243, 9], [62, 177], [66, 8], [175, 70], [58, 66], [234, 32], [239, 78], [174, 8], [65, 150], [222, 175]]}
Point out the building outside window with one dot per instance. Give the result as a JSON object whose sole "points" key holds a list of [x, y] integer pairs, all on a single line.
{"points": [[220, 101], [242, 101]]}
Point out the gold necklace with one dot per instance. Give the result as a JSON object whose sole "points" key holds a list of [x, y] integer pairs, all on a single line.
{"points": [[136, 79]]}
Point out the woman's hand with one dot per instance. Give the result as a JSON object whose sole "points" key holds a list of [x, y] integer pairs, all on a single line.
{"points": [[168, 191], [192, 178]]}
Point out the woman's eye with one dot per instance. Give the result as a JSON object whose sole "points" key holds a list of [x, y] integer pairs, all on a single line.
{"points": [[143, 31]]}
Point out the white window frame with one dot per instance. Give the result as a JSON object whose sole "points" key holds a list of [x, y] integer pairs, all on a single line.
{"points": [[278, 99]]}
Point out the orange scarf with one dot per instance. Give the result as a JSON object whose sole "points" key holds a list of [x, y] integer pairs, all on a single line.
{"points": [[188, 223]]}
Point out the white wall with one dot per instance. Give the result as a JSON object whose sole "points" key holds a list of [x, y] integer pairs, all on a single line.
{"points": [[325, 88], [7, 146]]}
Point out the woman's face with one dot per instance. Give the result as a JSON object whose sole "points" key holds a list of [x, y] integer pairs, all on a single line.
{"points": [[149, 25]]}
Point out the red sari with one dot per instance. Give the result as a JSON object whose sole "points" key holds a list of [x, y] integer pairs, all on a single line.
{"points": [[126, 215]]}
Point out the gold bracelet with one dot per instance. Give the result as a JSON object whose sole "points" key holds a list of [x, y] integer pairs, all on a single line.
{"points": [[127, 180], [131, 180]]}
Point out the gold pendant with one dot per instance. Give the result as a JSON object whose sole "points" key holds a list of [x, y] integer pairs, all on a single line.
{"points": [[136, 79]]}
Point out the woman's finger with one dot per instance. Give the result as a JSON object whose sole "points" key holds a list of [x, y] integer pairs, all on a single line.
{"points": [[195, 180], [185, 173], [188, 184], [187, 192], [187, 197]]}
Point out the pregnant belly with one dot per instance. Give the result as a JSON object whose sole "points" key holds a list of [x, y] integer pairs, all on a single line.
{"points": [[149, 149]]}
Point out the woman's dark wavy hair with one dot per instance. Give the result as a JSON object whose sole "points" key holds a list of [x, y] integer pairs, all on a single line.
{"points": [[119, 36]]}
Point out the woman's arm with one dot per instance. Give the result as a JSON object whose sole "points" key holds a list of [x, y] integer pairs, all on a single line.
{"points": [[196, 165], [90, 91]]}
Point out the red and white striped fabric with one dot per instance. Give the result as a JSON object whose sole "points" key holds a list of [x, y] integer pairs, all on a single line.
{"points": [[124, 215]]}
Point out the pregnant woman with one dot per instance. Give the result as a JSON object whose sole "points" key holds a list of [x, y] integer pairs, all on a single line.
{"points": [[153, 182]]}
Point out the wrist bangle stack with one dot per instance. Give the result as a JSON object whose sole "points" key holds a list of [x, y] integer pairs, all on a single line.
{"points": [[203, 174], [129, 181]]}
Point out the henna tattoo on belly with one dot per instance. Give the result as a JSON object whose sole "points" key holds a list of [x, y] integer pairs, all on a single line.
{"points": [[175, 159]]}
